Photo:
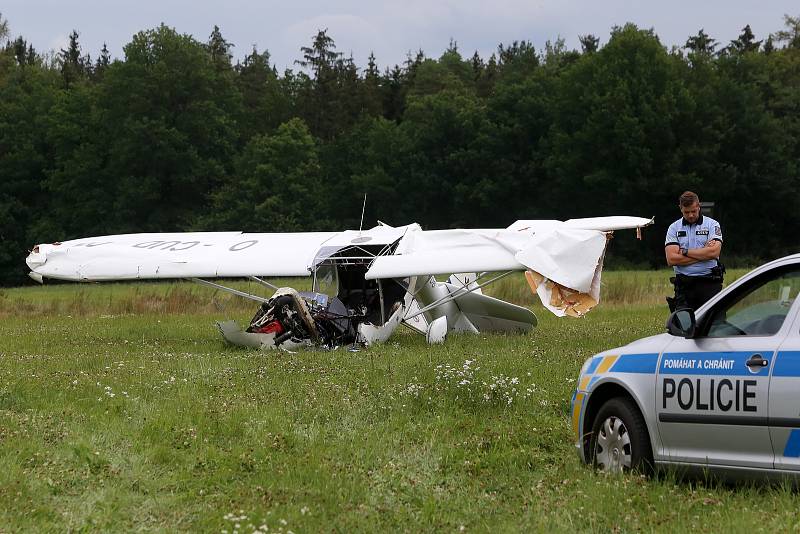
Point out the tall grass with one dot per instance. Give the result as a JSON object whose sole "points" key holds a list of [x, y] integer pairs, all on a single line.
{"points": [[150, 422], [124, 298], [619, 288]]}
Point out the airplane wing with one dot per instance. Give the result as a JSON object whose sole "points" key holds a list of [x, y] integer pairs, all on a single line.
{"points": [[604, 224], [567, 253], [562, 254], [423, 252], [177, 255], [199, 254], [566, 256]]}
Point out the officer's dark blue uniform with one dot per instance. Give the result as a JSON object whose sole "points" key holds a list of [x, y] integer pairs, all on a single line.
{"points": [[698, 282]]}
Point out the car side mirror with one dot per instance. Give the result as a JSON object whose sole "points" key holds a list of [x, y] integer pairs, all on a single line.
{"points": [[682, 323]]}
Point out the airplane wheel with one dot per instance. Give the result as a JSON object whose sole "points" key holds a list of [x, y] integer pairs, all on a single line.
{"points": [[620, 442]]}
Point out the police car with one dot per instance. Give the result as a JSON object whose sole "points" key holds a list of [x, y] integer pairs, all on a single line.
{"points": [[720, 391]]}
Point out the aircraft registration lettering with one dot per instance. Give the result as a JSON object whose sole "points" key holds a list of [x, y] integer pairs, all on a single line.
{"points": [[186, 245], [243, 245], [156, 244], [92, 244], [168, 245]]}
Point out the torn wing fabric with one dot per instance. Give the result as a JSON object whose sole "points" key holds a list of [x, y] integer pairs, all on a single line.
{"points": [[566, 256], [178, 255], [562, 300]]}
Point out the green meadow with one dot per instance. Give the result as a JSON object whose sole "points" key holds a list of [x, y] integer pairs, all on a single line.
{"points": [[121, 409]]}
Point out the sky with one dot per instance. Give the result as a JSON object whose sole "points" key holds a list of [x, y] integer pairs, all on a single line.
{"points": [[389, 29]]}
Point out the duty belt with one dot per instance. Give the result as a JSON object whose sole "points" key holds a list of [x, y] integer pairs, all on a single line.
{"points": [[689, 280]]}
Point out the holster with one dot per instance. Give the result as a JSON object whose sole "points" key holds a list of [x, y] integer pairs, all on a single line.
{"points": [[672, 302], [718, 272]]}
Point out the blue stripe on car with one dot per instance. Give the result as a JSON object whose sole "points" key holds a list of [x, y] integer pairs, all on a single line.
{"points": [[787, 363], [593, 366], [636, 363], [792, 448]]}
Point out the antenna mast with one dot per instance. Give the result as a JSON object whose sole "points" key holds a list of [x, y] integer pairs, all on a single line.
{"points": [[363, 207]]}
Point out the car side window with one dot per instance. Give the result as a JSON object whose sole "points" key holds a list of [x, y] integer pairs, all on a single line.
{"points": [[758, 308]]}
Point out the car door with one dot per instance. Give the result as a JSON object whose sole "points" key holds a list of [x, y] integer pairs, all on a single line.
{"points": [[784, 386], [713, 398]]}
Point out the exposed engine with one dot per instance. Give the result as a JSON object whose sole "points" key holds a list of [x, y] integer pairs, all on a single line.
{"points": [[299, 316]]}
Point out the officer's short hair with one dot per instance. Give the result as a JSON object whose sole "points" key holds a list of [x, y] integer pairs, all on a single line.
{"points": [[688, 199]]}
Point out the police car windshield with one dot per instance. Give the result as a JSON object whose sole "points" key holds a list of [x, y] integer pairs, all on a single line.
{"points": [[760, 309]]}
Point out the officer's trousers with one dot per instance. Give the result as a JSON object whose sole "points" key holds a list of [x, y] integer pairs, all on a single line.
{"points": [[693, 291]]}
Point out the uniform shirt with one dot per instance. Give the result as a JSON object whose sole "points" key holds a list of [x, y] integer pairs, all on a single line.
{"points": [[695, 235]]}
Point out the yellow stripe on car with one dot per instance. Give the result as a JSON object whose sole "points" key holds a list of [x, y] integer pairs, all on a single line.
{"points": [[584, 383], [576, 414], [606, 364]]}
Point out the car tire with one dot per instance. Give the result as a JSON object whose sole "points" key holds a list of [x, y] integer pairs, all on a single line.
{"points": [[619, 439]]}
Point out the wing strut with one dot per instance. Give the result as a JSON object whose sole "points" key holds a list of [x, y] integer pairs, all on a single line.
{"points": [[263, 282], [413, 328], [229, 290], [455, 294]]}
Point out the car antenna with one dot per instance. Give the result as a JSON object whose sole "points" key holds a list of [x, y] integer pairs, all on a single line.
{"points": [[363, 207]]}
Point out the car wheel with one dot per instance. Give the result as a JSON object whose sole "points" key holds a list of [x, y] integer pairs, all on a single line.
{"points": [[619, 440]]}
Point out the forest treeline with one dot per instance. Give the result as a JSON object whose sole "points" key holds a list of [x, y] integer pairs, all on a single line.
{"points": [[179, 136]]}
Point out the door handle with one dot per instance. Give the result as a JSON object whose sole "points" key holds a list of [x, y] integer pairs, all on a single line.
{"points": [[756, 360]]}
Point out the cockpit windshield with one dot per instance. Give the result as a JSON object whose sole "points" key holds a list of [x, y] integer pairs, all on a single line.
{"points": [[327, 279]]}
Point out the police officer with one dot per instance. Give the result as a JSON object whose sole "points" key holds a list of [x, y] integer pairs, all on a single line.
{"points": [[692, 248]]}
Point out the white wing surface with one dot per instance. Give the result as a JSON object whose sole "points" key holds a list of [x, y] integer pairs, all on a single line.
{"points": [[423, 252], [567, 256], [567, 253], [177, 255], [604, 224]]}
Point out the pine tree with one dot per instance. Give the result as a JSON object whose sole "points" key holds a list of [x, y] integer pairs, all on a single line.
{"points": [[73, 65], [589, 43], [395, 88], [333, 99], [745, 43], [477, 66], [219, 49], [265, 101], [518, 57], [321, 56], [102, 63], [373, 103], [19, 46], [769, 45], [701, 44]]}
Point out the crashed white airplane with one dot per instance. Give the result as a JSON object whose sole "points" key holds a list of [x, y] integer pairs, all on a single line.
{"points": [[365, 283]]}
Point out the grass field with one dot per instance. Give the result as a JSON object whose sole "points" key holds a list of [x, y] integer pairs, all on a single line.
{"points": [[121, 409]]}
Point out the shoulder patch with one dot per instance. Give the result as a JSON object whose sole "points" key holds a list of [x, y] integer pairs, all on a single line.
{"points": [[717, 230]]}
